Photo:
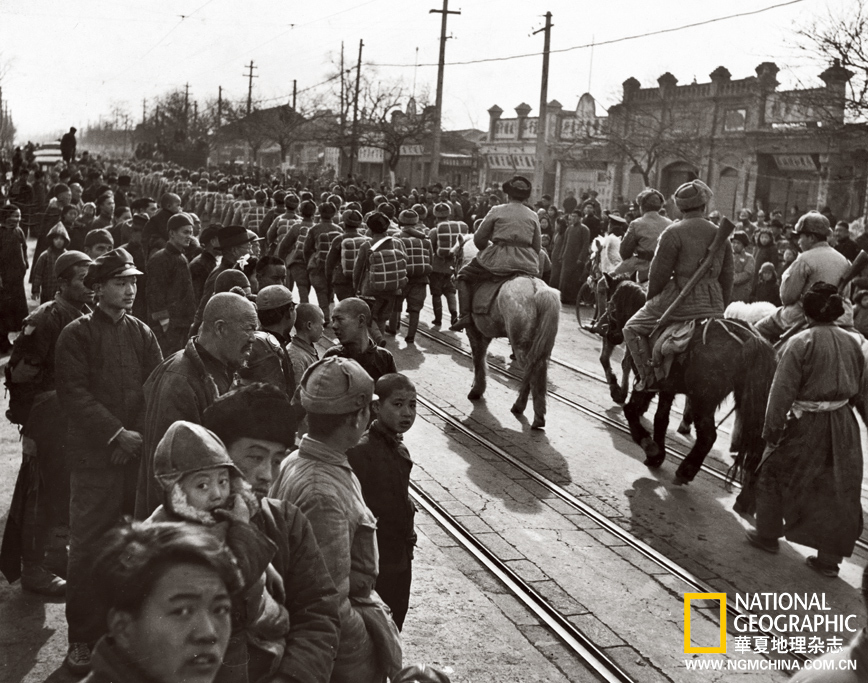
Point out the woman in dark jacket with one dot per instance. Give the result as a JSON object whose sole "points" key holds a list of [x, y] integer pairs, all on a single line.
{"points": [[766, 251], [13, 266]]}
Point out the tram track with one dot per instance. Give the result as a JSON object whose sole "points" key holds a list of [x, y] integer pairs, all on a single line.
{"points": [[690, 581], [606, 668], [676, 453]]}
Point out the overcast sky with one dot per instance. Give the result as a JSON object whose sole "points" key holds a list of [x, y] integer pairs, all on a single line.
{"points": [[69, 62]]}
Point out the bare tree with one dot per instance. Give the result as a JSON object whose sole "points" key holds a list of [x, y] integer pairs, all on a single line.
{"points": [[841, 38], [642, 136]]}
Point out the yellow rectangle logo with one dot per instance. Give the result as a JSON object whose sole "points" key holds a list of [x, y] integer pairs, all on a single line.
{"points": [[721, 647]]}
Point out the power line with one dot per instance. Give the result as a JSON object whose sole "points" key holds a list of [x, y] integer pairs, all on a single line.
{"points": [[607, 42]]}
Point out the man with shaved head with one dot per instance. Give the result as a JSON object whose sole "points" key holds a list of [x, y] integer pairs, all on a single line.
{"points": [[350, 321], [189, 381]]}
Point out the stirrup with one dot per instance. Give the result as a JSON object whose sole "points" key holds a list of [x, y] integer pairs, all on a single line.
{"points": [[462, 322]]}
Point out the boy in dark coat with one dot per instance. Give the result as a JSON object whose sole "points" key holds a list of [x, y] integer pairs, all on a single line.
{"points": [[382, 464]]}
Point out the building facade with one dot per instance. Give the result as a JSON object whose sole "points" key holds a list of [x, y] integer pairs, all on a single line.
{"points": [[756, 146]]}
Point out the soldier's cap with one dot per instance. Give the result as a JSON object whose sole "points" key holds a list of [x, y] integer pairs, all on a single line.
{"points": [[291, 200], [230, 278], [116, 263], [208, 234], [692, 195], [68, 259], [741, 236], [813, 223], [253, 237], [98, 236], [232, 236], [336, 386], [273, 296], [124, 181], [650, 196], [617, 218], [517, 187], [352, 218], [179, 220], [279, 196], [442, 209], [408, 217], [186, 448], [420, 209], [378, 222]]}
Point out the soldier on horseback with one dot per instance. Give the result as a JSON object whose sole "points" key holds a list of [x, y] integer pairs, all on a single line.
{"points": [[818, 262], [640, 241], [680, 251], [509, 240]]}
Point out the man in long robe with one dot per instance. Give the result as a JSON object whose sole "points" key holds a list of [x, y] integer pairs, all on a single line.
{"points": [[809, 481]]}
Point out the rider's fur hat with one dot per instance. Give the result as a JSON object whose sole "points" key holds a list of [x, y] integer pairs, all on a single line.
{"points": [[517, 187], [650, 199], [813, 223], [692, 195]]}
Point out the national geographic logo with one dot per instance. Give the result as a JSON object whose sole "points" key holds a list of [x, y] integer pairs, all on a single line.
{"points": [[721, 646]]}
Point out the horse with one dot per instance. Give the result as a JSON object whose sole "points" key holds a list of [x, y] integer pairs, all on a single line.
{"points": [[723, 357], [526, 311]]}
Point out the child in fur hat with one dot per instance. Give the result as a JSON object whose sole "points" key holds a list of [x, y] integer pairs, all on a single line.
{"points": [[203, 486], [767, 286]]}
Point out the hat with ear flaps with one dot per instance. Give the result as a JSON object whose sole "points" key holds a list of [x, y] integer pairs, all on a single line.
{"points": [[692, 195], [517, 187]]}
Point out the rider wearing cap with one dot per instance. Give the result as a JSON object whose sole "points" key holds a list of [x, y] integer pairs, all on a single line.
{"points": [[818, 262], [680, 251], [509, 240], [640, 240]]}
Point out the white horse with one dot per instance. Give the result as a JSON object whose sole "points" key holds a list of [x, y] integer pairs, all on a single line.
{"points": [[526, 310]]}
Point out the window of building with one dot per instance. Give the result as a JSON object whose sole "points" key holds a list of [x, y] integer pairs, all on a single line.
{"points": [[734, 119]]}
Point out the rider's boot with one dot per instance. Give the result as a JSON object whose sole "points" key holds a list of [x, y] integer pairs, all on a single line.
{"points": [[464, 306], [640, 351], [452, 305]]}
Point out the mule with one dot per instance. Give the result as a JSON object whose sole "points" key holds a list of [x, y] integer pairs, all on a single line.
{"points": [[526, 311], [723, 357]]}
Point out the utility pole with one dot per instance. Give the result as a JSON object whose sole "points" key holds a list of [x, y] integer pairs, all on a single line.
{"points": [[219, 122], [438, 104], [186, 103], [250, 78], [294, 93], [539, 157], [354, 150], [195, 111], [343, 113], [144, 111]]}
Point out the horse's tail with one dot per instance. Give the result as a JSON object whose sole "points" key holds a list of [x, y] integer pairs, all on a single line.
{"points": [[547, 303], [751, 396]]}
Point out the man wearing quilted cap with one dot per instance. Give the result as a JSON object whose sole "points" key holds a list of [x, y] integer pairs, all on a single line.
{"points": [[318, 479], [680, 250], [817, 262], [640, 241]]}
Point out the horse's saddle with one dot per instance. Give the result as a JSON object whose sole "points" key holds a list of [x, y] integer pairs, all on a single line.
{"points": [[486, 292], [669, 344]]}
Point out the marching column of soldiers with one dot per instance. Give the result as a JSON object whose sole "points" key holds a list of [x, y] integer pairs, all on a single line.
{"points": [[160, 378]]}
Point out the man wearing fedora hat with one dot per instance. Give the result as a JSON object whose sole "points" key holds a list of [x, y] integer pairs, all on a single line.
{"points": [[102, 359], [235, 243], [680, 251]]}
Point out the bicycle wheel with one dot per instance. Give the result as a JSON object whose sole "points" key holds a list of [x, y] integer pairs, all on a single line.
{"points": [[586, 298]]}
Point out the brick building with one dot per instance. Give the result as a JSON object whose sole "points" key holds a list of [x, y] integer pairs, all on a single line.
{"points": [[755, 145]]}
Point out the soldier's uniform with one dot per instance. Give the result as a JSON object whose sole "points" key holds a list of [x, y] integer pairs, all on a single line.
{"points": [[419, 256], [681, 249], [38, 521], [316, 247], [445, 238], [640, 241], [342, 256], [820, 263]]}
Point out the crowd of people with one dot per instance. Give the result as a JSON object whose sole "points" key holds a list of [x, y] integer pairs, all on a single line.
{"points": [[159, 379]]}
